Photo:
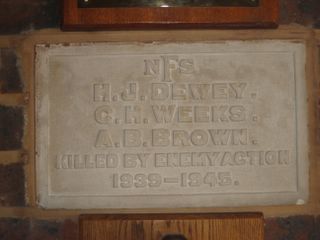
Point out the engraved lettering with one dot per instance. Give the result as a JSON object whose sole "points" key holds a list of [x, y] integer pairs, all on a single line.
{"points": [[185, 160], [160, 160], [220, 91], [228, 90], [64, 161], [237, 89], [225, 178], [126, 180], [145, 122], [130, 93], [170, 63], [143, 159], [227, 159], [256, 157], [132, 114], [195, 179], [132, 138], [130, 160], [139, 180], [101, 92], [112, 160], [100, 161], [237, 113], [163, 113], [90, 162], [186, 66], [200, 91], [240, 158], [201, 113], [86, 161], [271, 157], [222, 158], [180, 138], [103, 139], [199, 159], [152, 67], [213, 158], [79, 162], [103, 114], [185, 114], [179, 92], [160, 91], [229, 136], [173, 159], [220, 136], [239, 137], [213, 179], [199, 137], [135, 160], [160, 137], [219, 113], [154, 180]]}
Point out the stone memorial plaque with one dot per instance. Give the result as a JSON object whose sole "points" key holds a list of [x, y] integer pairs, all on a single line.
{"points": [[171, 124]]}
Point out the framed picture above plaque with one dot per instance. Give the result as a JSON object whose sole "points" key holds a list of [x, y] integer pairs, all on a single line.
{"points": [[133, 14]]}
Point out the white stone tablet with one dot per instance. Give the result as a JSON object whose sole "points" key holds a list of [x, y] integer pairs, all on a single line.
{"points": [[167, 125]]}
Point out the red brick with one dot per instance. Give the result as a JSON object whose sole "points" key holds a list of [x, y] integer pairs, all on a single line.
{"points": [[306, 12], [22, 15], [54, 230], [10, 81], [14, 229], [11, 128], [291, 228], [35, 229], [44, 230], [12, 191]]}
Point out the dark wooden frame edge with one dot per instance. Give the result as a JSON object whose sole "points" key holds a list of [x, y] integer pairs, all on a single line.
{"points": [[74, 18]]}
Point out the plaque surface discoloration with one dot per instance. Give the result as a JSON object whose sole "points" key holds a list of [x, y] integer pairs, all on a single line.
{"points": [[171, 125]]}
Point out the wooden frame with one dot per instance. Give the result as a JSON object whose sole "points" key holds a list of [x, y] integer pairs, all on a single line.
{"points": [[75, 18], [222, 226]]}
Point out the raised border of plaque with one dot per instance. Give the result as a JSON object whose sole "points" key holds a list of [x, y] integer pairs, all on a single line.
{"points": [[276, 101], [77, 18]]}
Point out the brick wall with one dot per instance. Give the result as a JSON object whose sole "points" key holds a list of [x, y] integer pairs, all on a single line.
{"points": [[20, 218], [33, 229]]}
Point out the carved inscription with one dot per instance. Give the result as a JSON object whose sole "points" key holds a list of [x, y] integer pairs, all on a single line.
{"points": [[155, 124], [221, 102]]}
